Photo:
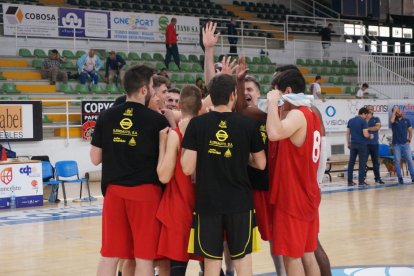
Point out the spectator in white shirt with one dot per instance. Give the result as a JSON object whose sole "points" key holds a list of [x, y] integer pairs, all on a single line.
{"points": [[315, 89], [361, 91]]}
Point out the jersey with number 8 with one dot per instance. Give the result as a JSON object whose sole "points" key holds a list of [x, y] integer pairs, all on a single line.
{"points": [[294, 187]]}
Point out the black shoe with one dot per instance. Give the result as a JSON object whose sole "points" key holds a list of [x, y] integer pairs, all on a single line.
{"points": [[351, 183], [412, 181], [57, 200], [379, 182], [363, 184], [400, 180]]}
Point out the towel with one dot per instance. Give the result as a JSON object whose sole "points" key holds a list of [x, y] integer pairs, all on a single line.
{"points": [[298, 99]]}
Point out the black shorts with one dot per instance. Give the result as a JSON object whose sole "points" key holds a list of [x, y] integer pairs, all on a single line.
{"points": [[209, 232]]}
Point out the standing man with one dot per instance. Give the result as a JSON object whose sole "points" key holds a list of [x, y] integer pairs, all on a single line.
{"points": [[361, 91], [374, 125], [218, 146], [171, 43], [113, 69], [325, 34], [232, 36], [315, 89], [357, 139], [89, 65], [126, 142], [402, 132], [51, 68]]}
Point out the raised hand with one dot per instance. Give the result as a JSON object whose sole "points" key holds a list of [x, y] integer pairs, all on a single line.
{"points": [[241, 70], [209, 38], [229, 67]]}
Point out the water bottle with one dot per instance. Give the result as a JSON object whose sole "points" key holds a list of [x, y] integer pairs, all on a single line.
{"points": [[13, 201]]}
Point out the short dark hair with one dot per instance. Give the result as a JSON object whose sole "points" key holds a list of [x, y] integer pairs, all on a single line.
{"points": [[54, 51], [190, 100], [160, 80], [174, 90], [363, 110], [137, 77], [290, 78], [220, 88], [173, 19], [365, 85], [318, 77], [252, 79]]}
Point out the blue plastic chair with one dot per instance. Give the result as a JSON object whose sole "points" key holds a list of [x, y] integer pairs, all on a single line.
{"points": [[68, 170], [384, 152], [47, 172]]}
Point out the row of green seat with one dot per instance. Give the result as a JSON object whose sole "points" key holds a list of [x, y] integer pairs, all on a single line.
{"points": [[39, 53], [323, 71], [325, 62], [9, 88], [95, 88]]}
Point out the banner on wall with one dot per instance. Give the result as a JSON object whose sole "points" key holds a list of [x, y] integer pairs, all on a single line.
{"points": [[407, 108], [86, 23], [90, 114], [151, 27], [41, 21], [21, 121]]}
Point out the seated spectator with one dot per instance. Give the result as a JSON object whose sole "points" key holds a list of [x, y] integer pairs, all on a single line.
{"points": [[51, 68], [361, 91], [199, 83], [173, 99], [113, 68], [163, 72], [89, 65]]}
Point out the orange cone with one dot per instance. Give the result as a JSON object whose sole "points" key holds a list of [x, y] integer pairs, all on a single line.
{"points": [[3, 154]]}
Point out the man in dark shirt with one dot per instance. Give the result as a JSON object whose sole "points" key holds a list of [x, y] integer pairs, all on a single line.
{"points": [[374, 125], [232, 36], [357, 139], [113, 69], [325, 34], [402, 132], [126, 142], [219, 145]]}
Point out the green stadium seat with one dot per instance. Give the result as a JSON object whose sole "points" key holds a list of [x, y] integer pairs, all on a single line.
{"points": [[173, 67], [122, 55], [324, 71], [23, 98], [68, 54], [252, 69], [309, 62], [342, 71], [263, 90], [335, 63], [197, 68], [37, 63], [10, 88], [5, 98], [133, 56], [69, 65], [2, 78], [316, 71], [271, 69], [349, 90], [121, 89], [261, 69], [189, 79], [79, 53], [45, 119], [265, 60], [185, 67], [216, 59], [111, 89], [97, 89], [25, 53], [82, 89], [183, 58], [257, 60], [156, 56], [248, 60], [317, 62], [200, 76], [193, 58], [331, 80], [66, 88], [39, 53], [326, 62], [333, 71], [265, 80], [175, 78]]}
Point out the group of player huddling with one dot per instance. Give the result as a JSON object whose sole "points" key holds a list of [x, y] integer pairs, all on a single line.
{"points": [[232, 168]]}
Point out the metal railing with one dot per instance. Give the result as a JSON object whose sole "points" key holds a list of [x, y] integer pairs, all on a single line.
{"points": [[313, 8]]}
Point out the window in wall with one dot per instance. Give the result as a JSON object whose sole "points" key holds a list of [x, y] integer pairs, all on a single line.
{"points": [[384, 46], [374, 47], [407, 48], [384, 31], [359, 30], [397, 47], [349, 29], [407, 33], [396, 32], [372, 30]]}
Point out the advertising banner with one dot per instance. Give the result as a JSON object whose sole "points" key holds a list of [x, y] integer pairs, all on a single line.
{"points": [[21, 121], [86, 23], [406, 107], [90, 113], [41, 21], [24, 181], [151, 27]]}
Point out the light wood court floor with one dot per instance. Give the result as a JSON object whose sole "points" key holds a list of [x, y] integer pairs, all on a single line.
{"points": [[365, 227]]}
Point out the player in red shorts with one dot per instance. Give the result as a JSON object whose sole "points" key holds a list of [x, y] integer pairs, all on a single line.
{"points": [[295, 192], [177, 205], [126, 142]]}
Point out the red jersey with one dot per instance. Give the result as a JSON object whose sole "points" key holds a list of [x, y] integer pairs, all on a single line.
{"points": [[177, 203], [170, 34], [294, 186]]}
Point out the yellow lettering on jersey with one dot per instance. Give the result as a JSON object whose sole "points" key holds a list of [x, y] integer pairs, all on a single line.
{"points": [[220, 144], [213, 151], [132, 142], [263, 133], [132, 133], [126, 123], [221, 135], [227, 154], [118, 140], [129, 112], [223, 124]]}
